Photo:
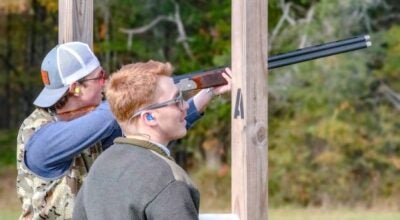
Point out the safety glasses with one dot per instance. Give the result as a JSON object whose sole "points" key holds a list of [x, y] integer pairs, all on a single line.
{"points": [[179, 101], [102, 78]]}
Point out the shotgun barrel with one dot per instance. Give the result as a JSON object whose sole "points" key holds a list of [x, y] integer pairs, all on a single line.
{"points": [[319, 51], [213, 77]]}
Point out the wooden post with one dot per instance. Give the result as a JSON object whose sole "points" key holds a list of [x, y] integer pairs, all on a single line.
{"points": [[249, 109], [75, 21]]}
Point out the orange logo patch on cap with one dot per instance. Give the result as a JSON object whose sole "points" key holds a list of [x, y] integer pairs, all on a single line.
{"points": [[45, 77]]}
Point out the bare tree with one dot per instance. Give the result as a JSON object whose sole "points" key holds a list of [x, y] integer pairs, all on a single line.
{"points": [[174, 18]]}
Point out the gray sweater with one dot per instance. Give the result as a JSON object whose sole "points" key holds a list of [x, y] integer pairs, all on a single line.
{"points": [[135, 179]]}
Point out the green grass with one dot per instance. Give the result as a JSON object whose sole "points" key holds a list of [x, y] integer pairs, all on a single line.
{"points": [[296, 214], [9, 214], [215, 198], [332, 214]]}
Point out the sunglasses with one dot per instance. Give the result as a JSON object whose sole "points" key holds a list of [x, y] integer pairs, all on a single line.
{"points": [[102, 77], [179, 101]]}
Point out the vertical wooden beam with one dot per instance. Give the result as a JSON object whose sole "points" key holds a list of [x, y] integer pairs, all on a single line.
{"points": [[75, 21], [249, 109]]}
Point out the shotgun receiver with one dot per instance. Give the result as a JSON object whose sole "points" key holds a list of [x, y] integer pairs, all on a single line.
{"points": [[213, 77]]}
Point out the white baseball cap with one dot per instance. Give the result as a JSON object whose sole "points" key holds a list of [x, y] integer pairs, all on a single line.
{"points": [[63, 65]]}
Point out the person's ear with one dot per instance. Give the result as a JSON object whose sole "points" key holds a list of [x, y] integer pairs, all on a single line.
{"points": [[149, 117]]}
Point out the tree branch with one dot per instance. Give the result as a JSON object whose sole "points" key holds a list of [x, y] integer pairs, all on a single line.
{"points": [[176, 18], [278, 27], [143, 29], [182, 33], [390, 95], [309, 17]]}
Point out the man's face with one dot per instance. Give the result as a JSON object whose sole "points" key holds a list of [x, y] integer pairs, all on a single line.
{"points": [[92, 87], [171, 118]]}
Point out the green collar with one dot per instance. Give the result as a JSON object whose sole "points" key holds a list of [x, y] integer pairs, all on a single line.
{"points": [[143, 144]]}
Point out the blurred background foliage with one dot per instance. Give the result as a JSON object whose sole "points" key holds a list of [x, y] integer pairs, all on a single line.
{"points": [[332, 122]]}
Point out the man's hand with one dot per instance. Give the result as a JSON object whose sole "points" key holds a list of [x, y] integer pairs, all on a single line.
{"points": [[219, 90], [202, 98]]}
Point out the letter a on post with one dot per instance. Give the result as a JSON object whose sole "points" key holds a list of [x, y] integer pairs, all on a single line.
{"points": [[239, 105]]}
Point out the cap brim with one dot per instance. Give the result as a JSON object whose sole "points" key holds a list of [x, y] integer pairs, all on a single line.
{"points": [[49, 97]]}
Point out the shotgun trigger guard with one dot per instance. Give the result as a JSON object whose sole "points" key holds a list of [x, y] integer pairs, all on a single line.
{"points": [[186, 85]]}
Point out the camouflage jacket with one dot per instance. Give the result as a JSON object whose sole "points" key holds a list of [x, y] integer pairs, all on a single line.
{"points": [[44, 198]]}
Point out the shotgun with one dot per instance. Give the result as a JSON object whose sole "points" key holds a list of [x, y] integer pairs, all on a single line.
{"points": [[213, 77]]}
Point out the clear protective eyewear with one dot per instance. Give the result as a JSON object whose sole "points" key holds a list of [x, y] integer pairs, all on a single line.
{"points": [[179, 101], [102, 77]]}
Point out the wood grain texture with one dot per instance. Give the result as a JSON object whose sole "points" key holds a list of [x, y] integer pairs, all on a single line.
{"points": [[75, 21], [249, 109]]}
